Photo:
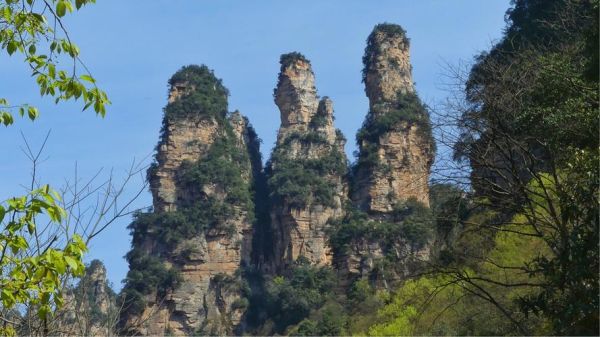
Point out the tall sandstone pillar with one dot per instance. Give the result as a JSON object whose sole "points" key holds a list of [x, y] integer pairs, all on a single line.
{"points": [[186, 255], [395, 143], [307, 166]]}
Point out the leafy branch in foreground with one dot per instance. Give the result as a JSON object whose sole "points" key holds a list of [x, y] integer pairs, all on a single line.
{"points": [[35, 29], [34, 278]]}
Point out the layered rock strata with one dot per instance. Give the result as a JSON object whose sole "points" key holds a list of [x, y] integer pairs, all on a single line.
{"points": [[307, 167], [200, 233], [396, 151], [396, 147]]}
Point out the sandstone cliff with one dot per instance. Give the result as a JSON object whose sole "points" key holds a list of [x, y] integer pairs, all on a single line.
{"points": [[391, 222], [185, 263], [396, 147], [90, 308], [223, 234], [307, 167]]}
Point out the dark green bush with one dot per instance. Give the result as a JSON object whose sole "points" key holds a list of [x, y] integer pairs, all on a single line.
{"points": [[207, 99], [330, 320], [371, 50], [411, 221], [288, 299], [147, 273], [408, 108], [289, 58], [299, 181]]}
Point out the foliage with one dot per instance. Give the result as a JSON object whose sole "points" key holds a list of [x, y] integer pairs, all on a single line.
{"points": [[320, 118], [329, 320], [408, 109], [286, 59], [35, 279], [203, 94], [451, 207], [30, 28], [147, 273], [372, 50], [288, 299], [302, 181], [530, 132], [411, 222], [450, 303], [32, 267]]}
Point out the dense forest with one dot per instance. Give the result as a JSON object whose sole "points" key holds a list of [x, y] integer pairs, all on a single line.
{"points": [[503, 239]]}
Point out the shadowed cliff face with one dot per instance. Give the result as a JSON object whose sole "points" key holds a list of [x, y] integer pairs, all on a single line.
{"points": [[396, 147], [200, 233], [306, 169]]}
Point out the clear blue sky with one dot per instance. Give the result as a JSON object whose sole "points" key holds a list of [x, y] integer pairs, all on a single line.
{"points": [[133, 47]]}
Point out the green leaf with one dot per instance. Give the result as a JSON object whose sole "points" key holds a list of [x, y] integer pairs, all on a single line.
{"points": [[44, 311], [72, 263], [8, 299], [7, 118], [61, 9], [32, 112], [51, 70], [11, 47], [88, 78], [60, 266]]}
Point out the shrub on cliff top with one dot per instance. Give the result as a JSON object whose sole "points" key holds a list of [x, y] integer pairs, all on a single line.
{"points": [[204, 94], [372, 48], [289, 58]]}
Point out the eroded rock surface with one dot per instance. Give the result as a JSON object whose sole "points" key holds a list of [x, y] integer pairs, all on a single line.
{"points": [[398, 141], [201, 228], [307, 167]]}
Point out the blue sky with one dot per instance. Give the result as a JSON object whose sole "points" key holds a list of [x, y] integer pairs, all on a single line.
{"points": [[133, 47]]}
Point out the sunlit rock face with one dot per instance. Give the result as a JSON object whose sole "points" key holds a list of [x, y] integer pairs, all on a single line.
{"points": [[306, 137], [216, 211], [207, 298], [402, 154], [396, 151]]}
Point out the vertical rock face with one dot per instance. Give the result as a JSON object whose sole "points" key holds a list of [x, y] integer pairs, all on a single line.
{"points": [[396, 147], [90, 308], [306, 168], [185, 263], [216, 211], [391, 220]]}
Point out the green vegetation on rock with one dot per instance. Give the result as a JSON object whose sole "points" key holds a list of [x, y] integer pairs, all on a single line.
{"points": [[203, 94], [406, 111], [410, 222], [300, 181]]}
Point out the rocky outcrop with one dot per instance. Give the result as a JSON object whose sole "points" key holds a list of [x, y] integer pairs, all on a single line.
{"points": [[306, 168], [390, 189], [216, 211], [200, 233], [90, 308], [396, 147]]}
